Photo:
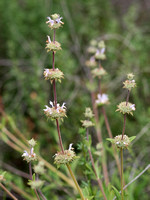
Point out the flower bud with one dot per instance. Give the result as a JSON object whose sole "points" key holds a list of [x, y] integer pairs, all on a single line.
{"points": [[123, 108], [88, 113], [130, 76], [32, 142]]}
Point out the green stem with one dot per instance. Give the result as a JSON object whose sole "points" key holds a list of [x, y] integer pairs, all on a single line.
{"points": [[121, 152], [75, 181]]}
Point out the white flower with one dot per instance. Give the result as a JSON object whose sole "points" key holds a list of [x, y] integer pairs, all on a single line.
{"points": [[50, 21], [102, 99], [132, 106], [49, 39], [25, 154], [70, 146], [103, 50], [133, 81], [58, 20]]}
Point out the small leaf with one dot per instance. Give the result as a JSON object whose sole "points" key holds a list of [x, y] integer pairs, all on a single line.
{"points": [[132, 138], [118, 195]]}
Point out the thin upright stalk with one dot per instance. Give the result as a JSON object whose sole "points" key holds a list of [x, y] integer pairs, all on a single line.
{"points": [[9, 193], [124, 122], [58, 129], [93, 165], [121, 153], [75, 181], [30, 172], [99, 135]]}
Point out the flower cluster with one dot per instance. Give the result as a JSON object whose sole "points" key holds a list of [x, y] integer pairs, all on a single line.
{"points": [[130, 83], [89, 115], [100, 52], [102, 99], [52, 46], [39, 168], [54, 22], [58, 112], [98, 72], [91, 63], [29, 156], [125, 107], [122, 142], [65, 157], [55, 74], [36, 184]]}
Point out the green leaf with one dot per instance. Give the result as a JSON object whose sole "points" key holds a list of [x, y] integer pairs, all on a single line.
{"points": [[118, 195], [132, 138]]}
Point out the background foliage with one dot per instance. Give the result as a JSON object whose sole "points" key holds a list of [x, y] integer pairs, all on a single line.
{"points": [[124, 25]]}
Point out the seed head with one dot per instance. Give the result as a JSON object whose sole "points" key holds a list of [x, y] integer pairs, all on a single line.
{"points": [[52, 75]]}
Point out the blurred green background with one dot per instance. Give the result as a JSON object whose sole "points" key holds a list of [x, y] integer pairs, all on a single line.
{"points": [[124, 25]]}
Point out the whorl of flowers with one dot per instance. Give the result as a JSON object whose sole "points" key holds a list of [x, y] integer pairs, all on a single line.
{"points": [[121, 142], [39, 168], [52, 46], [102, 99], [65, 157], [29, 156], [53, 112], [98, 72], [87, 123], [54, 22], [130, 83], [55, 74], [124, 108], [36, 184], [88, 113], [91, 63]]}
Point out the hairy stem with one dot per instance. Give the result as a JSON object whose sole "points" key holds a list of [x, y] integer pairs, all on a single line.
{"points": [[121, 153], [58, 128], [75, 181], [93, 165], [124, 122], [9, 193]]}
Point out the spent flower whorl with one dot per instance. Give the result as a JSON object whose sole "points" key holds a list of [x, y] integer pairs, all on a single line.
{"points": [[102, 99], [54, 22], [88, 113], [98, 72], [130, 83], [120, 142], [52, 75], [36, 184], [52, 46], [125, 107], [39, 168], [65, 157], [55, 113]]}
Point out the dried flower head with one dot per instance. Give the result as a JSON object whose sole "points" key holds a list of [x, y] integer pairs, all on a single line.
{"points": [[102, 99], [52, 46], [54, 22], [36, 184], [39, 168], [55, 113], [87, 123], [91, 63], [55, 74], [123, 108], [29, 156], [88, 113], [67, 157], [122, 143], [98, 72]]}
